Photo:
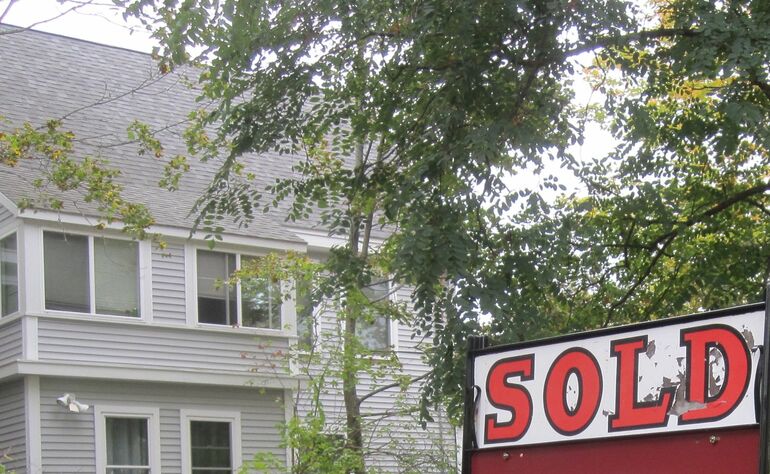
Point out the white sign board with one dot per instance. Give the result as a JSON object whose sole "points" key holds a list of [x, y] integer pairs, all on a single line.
{"points": [[680, 374]]}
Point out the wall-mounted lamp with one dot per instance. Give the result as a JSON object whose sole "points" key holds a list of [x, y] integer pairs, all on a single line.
{"points": [[68, 401]]}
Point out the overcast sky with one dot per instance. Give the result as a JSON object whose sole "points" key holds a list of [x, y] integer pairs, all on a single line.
{"points": [[100, 23]]}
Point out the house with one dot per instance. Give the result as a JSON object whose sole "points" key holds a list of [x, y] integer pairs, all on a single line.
{"points": [[178, 373]]}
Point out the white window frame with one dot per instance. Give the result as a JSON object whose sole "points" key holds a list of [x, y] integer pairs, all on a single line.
{"points": [[151, 414], [287, 311], [316, 314], [391, 324], [143, 268], [3, 235], [232, 417]]}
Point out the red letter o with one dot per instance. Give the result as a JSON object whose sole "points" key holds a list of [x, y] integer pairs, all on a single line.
{"points": [[583, 364]]}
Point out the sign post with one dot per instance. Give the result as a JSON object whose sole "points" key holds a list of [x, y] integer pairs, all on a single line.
{"points": [[764, 389], [675, 395]]}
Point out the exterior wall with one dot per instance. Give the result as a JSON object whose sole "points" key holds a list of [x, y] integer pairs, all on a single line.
{"points": [[168, 289], [10, 342], [6, 217], [68, 438], [13, 427], [397, 442], [147, 345]]}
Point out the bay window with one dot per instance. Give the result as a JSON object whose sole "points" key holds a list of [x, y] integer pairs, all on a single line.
{"points": [[87, 274], [253, 302]]}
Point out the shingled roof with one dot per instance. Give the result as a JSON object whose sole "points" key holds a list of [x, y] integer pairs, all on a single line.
{"points": [[99, 91]]}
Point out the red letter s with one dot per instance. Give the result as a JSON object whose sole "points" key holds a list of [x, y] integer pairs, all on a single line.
{"points": [[509, 397]]}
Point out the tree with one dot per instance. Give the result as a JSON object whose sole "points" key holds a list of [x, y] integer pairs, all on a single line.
{"points": [[417, 117], [411, 116], [439, 102], [674, 220]]}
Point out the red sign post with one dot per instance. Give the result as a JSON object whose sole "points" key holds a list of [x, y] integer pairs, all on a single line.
{"points": [[669, 396]]}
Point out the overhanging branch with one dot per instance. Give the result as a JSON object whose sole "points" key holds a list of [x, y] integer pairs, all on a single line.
{"points": [[366, 396]]}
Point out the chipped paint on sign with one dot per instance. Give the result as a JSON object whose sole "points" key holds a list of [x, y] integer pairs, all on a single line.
{"points": [[691, 374]]}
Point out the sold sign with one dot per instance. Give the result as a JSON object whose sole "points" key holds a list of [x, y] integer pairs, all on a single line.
{"points": [[672, 375]]}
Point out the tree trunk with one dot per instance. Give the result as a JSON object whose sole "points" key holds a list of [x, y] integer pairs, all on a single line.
{"points": [[355, 438]]}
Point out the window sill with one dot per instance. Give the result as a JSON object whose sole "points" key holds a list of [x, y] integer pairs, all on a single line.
{"points": [[243, 330], [95, 316], [9, 318], [131, 321]]}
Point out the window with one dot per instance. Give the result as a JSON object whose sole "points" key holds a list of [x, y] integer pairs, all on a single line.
{"points": [[375, 335], [211, 441], [254, 302], [9, 281], [128, 440], [210, 447], [88, 274], [305, 310], [127, 449]]}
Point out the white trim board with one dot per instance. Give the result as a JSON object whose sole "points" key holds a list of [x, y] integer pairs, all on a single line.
{"points": [[32, 408], [154, 374], [165, 230]]}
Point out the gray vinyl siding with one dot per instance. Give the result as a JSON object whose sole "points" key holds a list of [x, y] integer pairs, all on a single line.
{"points": [[397, 443], [145, 345], [68, 438], [168, 291], [10, 342], [6, 216], [13, 427]]}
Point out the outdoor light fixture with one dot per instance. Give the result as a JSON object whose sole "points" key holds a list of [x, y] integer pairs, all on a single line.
{"points": [[68, 401]]}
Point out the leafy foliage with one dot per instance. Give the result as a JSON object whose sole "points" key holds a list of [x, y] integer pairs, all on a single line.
{"points": [[675, 218], [410, 116], [62, 170], [419, 118]]}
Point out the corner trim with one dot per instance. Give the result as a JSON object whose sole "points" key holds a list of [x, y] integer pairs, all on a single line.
{"points": [[32, 407], [29, 342], [288, 408]]}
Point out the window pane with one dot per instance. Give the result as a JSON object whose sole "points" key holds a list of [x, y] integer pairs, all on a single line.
{"points": [[9, 281], [128, 470], [66, 272], [305, 311], [260, 301], [127, 442], [210, 445], [115, 271], [216, 300], [375, 335]]}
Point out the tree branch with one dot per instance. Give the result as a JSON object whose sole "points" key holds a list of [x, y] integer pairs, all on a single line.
{"points": [[366, 396], [76, 7], [763, 86], [7, 9], [665, 240]]}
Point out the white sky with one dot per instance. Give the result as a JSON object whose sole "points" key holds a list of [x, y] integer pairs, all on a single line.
{"points": [[100, 22]]}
